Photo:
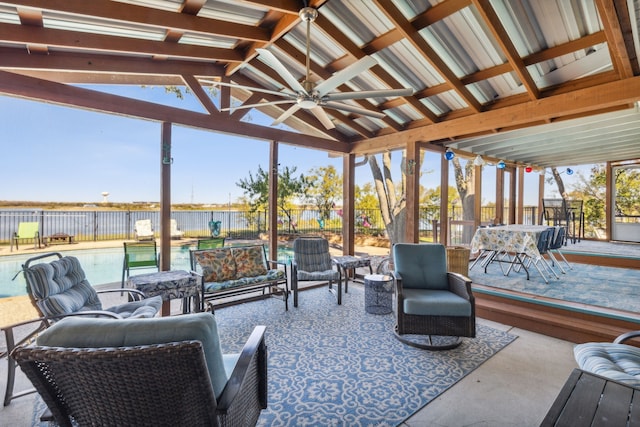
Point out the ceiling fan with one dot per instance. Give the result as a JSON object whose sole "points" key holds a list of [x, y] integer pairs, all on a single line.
{"points": [[312, 96]]}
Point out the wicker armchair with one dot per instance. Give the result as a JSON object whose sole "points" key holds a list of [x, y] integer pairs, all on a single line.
{"points": [[185, 381], [431, 302]]}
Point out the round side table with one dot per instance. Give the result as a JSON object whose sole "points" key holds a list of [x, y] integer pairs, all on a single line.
{"points": [[378, 293]]}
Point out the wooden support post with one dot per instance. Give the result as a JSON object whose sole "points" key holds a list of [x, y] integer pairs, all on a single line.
{"points": [[412, 173], [273, 200], [165, 205], [348, 203]]}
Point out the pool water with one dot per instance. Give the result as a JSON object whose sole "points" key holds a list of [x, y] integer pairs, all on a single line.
{"points": [[101, 266]]}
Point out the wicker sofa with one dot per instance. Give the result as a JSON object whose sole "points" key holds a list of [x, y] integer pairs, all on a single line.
{"points": [[236, 270]]}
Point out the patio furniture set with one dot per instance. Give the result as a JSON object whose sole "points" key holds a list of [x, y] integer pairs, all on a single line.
{"points": [[519, 247], [75, 335]]}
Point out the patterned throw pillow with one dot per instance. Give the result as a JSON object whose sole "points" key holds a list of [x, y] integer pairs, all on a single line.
{"points": [[250, 261], [217, 265]]}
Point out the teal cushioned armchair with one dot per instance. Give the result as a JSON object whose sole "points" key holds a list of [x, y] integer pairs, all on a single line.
{"points": [[146, 372], [431, 301]]}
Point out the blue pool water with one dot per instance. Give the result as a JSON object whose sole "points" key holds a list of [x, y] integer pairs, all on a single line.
{"points": [[102, 266]]}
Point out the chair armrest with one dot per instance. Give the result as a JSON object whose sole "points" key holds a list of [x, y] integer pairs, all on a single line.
{"points": [[460, 285], [397, 280], [624, 337], [252, 366], [135, 294], [44, 323]]}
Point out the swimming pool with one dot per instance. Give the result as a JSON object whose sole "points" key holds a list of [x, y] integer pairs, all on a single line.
{"points": [[102, 266]]}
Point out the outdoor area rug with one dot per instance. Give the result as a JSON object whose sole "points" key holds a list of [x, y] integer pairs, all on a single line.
{"points": [[610, 287], [340, 366], [334, 365]]}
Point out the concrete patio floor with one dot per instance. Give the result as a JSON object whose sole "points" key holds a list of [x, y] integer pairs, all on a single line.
{"points": [[516, 387]]}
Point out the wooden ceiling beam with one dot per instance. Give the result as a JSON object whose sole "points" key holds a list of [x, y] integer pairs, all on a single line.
{"points": [[410, 33], [147, 16], [196, 88], [612, 14], [502, 37], [583, 101], [104, 67], [56, 93], [380, 72], [74, 40], [438, 13]]}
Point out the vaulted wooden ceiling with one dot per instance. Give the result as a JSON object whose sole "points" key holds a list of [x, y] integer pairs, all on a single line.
{"points": [[542, 83]]}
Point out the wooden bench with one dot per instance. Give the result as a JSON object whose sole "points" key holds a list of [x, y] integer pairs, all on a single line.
{"points": [[238, 270], [58, 238]]}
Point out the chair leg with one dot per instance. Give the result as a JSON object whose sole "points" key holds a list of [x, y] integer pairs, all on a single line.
{"points": [[554, 261], [564, 259], [9, 395], [450, 343]]}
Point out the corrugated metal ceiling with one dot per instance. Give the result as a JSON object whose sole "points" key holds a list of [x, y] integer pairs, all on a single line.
{"points": [[463, 58]]}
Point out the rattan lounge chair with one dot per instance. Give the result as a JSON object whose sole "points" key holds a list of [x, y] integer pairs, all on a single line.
{"points": [[166, 371]]}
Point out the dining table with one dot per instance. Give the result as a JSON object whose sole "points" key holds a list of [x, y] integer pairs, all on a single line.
{"points": [[511, 244]]}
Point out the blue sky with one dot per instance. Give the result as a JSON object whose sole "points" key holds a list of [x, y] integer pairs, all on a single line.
{"points": [[61, 154]]}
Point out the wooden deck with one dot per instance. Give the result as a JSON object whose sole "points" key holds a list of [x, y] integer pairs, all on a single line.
{"points": [[563, 319]]}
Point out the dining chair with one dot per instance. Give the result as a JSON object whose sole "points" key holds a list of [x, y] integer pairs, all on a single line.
{"points": [[556, 245], [545, 238]]}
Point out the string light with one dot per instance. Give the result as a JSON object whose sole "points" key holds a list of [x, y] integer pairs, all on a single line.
{"points": [[528, 169], [449, 155], [501, 164], [478, 161]]}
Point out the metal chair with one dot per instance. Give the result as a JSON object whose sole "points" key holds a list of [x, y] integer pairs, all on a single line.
{"points": [[431, 302], [312, 262], [557, 243], [59, 289], [139, 255], [212, 243], [163, 371], [541, 265], [27, 230]]}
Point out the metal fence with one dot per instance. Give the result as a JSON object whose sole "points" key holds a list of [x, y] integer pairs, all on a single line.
{"points": [[119, 225]]}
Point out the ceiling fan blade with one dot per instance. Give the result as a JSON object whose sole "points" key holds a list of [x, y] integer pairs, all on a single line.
{"points": [[251, 88], [323, 117], [362, 94], [345, 75], [284, 116], [259, 104], [352, 109], [273, 62]]}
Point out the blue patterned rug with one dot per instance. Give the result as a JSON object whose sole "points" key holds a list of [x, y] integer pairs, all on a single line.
{"points": [[333, 365], [611, 287], [336, 365]]}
